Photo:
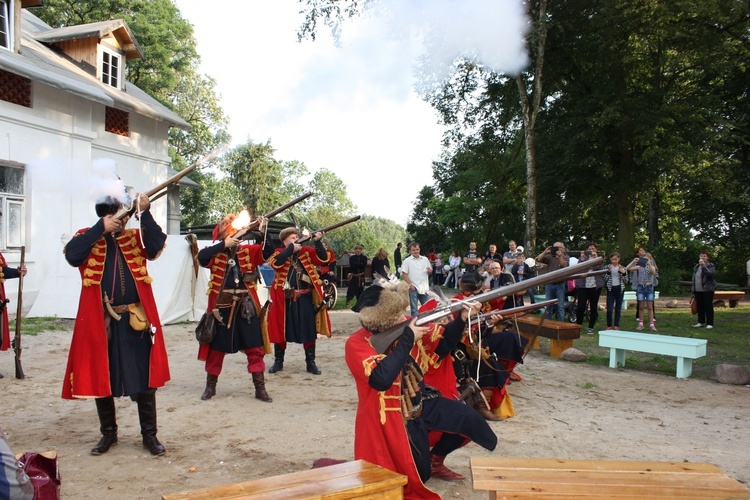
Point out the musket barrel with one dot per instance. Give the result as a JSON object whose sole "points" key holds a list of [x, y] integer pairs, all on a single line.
{"points": [[330, 228], [253, 225], [383, 340]]}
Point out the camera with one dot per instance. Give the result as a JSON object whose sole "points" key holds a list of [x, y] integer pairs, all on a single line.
{"points": [[555, 251], [587, 253]]}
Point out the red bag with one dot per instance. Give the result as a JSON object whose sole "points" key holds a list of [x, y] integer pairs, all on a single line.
{"points": [[43, 472]]}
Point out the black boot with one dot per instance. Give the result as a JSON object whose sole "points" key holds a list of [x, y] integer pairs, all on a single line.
{"points": [[259, 381], [147, 416], [310, 359], [210, 386], [105, 408], [278, 362]]}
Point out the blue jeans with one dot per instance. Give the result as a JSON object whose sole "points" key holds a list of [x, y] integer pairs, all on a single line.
{"points": [[614, 305], [413, 297], [556, 291]]}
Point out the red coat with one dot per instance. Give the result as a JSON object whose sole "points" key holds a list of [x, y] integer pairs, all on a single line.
{"points": [[248, 258], [380, 434], [87, 372], [277, 309]]}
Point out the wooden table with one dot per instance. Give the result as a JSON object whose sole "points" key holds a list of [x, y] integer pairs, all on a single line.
{"points": [[601, 479], [358, 479], [560, 333]]}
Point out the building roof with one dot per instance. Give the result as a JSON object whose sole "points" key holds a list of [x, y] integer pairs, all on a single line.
{"points": [[98, 30], [40, 63]]}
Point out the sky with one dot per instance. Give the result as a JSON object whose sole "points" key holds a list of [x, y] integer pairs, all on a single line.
{"points": [[351, 107]]}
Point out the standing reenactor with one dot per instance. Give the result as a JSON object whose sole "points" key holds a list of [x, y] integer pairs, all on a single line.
{"points": [[117, 347], [357, 265], [296, 313], [232, 296]]}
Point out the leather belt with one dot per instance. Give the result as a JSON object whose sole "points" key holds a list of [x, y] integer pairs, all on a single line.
{"points": [[125, 307]]}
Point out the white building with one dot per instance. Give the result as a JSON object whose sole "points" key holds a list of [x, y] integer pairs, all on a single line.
{"points": [[64, 102]]}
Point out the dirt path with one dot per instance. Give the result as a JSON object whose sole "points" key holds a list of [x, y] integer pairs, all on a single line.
{"points": [[563, 410]]}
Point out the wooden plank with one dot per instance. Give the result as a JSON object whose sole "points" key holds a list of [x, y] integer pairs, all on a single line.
{"points": [[348, 480], [557, 330], [541, 478]]}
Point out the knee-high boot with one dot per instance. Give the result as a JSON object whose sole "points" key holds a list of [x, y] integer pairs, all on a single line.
{"points": [[310, 359], [210, 386], [105, 408], [278, 362], [482, 407], [147, 416], [259, 381]]}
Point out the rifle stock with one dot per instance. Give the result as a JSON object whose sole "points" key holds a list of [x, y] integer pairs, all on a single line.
{"points": [[243, 232], [383, 340], [19, 308], [128, 210], [330, 228]]}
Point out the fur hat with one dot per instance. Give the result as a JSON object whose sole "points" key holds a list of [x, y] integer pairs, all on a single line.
{"points": [[107, 206], [221, 230], [381, 307], [284, 234]]}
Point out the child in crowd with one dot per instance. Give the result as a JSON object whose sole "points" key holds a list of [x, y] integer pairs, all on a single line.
{"points": [[615, 280]]}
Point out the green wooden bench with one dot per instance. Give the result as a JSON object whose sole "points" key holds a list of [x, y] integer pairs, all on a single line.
{"points": [[685, 349]]}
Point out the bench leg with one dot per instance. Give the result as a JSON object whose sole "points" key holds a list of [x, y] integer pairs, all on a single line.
{"points": [[684, 367], [732, 303], [616, 357], [556, 347]]}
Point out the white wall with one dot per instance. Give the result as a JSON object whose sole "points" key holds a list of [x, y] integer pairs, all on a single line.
{"points": [[67, 130]]}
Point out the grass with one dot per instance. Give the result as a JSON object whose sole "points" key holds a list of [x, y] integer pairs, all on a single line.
{"points": [[728, 341], [34, 326]]}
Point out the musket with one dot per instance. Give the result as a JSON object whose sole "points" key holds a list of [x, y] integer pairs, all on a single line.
{"points": [[243, 232], [515, 311], [17, 340], [155, 193], [329, 228], [383, 340], [588, 274]]}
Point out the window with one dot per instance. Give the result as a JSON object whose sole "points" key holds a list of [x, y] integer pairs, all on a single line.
{"points": [[117, 121], [6, 25], [12, 204], [111, 70]]}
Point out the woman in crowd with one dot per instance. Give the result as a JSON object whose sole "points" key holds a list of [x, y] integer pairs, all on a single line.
{"points": [[454, 273], [703, 287], [645, 275]]}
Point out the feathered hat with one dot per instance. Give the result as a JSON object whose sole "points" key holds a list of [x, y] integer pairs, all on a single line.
{"points": [[221, 229], [382, 306]]}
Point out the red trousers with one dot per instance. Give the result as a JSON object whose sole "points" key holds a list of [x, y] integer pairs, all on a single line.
{"points": [[255, 363]]}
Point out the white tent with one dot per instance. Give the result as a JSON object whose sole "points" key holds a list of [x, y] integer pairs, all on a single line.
{"points": [[180, 294]]}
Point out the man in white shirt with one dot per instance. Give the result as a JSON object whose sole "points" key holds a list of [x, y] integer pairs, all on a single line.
{"points": [[416, 270]]}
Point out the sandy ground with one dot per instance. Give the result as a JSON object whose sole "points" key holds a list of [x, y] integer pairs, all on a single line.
{"points": [[563, 410]]}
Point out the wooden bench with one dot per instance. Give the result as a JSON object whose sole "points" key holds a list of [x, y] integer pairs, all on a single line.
{"points": [[686, 349], [601, 479], [560, 333], [630, 295], [358, 479], [731, 296]]}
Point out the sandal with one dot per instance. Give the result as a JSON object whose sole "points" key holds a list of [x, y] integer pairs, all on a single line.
{"points": [[640, 326]]}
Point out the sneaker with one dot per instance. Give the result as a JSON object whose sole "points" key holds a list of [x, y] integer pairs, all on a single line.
{"points": [[708, 327], [652, 327], [609, 328], [640, 326], [590, 331], [697, 325], [617, 328]]}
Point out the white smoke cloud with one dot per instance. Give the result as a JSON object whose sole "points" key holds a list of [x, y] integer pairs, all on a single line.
{"points": [[75, 179]]}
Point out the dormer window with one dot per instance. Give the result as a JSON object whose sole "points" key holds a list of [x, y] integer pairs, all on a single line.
{"points": [[6, 24], [111, 68]]}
